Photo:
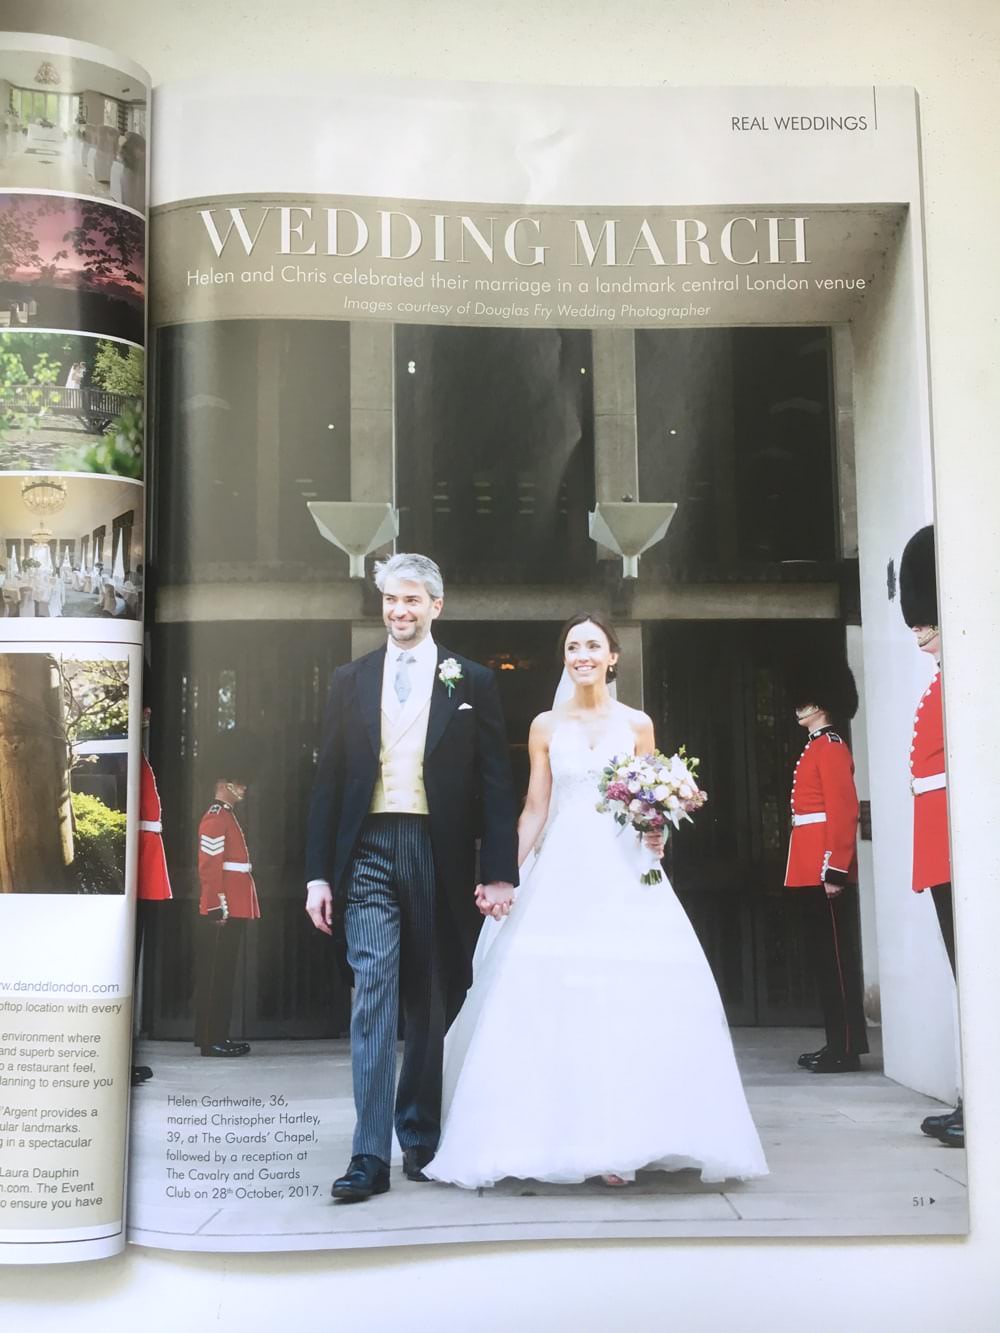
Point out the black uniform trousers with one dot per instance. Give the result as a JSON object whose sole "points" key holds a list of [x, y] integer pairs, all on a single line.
{"points": [[941, 893], [143, 907], [218, 953], [834, 942]]}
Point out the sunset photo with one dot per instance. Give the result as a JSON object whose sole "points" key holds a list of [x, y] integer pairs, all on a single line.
{"points": [[71, 264]]}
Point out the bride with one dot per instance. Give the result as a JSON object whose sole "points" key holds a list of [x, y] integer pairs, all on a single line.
{"points": [[593, 1041]]}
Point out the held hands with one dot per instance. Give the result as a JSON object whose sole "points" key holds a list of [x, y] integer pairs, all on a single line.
{"points": [[495, 900], [654, 842], [319, 907]]}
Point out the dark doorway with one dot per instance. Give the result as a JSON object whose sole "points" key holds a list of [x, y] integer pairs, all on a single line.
{"points": [[524, 656], [271, 679], [719, 690]]}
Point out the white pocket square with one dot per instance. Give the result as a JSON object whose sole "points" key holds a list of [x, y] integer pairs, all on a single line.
{"points": [[468, 706]]}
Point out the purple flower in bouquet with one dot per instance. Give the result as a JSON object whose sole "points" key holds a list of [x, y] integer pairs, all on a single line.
{"points": [[648, 792]]}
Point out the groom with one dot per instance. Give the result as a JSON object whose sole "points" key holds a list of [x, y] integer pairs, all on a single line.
{"points": [[413, 768]]}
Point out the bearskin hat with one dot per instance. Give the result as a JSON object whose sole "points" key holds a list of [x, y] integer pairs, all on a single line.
{"points": [[827, 683], [231, 756], [918, 579]]}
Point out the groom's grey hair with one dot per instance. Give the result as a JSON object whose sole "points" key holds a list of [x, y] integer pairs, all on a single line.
{"points": [[416, 568]]}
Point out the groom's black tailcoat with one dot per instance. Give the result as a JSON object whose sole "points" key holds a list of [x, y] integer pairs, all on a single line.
{"points": [[467, 778]]}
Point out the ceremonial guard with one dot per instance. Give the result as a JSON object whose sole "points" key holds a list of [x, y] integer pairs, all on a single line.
{"points": [[228, 896], [822, 861], [928, 782], [153, 879]]}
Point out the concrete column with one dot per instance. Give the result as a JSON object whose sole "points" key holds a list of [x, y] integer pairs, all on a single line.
{"points": [[630, 665], [269, 337], [616, 444], [716, 382], [365, 638], [373, 462], [866, 866], [842, 355]]}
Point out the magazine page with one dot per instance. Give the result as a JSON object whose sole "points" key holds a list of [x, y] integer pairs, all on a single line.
{"points": [[73, 122], [547, 706]]}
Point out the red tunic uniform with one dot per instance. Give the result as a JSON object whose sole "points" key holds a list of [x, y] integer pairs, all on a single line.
{"points": [[931, 852], [822, 848], [227, 887], [154, 881]]}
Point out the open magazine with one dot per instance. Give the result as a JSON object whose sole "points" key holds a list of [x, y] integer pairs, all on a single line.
{"points": [[471, 728]]}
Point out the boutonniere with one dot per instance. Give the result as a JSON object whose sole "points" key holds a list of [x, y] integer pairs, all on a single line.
{"points": [[449, 674]]}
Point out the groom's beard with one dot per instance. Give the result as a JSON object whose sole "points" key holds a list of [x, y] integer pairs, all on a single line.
{"points": [[408, 633], [407, 636]]}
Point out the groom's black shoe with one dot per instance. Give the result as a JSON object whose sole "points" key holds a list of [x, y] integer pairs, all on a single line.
{"points": [[414, 1161], [365, 1176], [808, 1058]]}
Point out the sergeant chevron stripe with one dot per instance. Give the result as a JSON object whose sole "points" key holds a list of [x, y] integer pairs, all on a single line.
{"points": [[212, 846]]}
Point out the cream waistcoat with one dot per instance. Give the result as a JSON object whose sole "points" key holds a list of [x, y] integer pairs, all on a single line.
{"points": [[399, 789]]}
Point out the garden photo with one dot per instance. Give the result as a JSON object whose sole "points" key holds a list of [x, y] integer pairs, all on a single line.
{"points": [[64, 772], [70, 403]]}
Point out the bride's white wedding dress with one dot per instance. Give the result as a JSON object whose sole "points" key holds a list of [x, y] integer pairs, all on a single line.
{"points": [[593, 1040]]}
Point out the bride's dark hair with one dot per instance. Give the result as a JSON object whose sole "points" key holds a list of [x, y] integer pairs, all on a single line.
{"points": [[606, 628]]}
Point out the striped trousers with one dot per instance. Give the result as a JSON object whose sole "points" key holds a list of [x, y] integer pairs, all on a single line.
{"points": [[394, 951]]}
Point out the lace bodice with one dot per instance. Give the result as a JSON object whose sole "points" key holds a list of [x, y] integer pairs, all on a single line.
{"points": [[577, 765]]}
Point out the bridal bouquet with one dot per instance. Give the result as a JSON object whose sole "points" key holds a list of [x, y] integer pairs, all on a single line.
{"points": [[649, 792]]}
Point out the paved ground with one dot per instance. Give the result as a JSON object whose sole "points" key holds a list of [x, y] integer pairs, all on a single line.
{"points": [[845, 1153]]}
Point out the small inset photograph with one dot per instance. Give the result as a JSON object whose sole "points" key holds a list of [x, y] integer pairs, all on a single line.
{"points": [[72, 547], [70, 403], [72, 125], [64, 771], [71, 264]]}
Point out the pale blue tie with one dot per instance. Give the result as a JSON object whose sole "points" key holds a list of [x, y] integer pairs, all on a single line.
{"points": [[402, 684]]}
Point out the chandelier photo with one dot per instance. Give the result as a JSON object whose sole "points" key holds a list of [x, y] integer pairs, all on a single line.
{"points": [[40, 548], [48, 74], [43, 495]]}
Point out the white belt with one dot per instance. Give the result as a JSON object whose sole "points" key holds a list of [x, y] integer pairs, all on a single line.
{"points": [[818, 818], [935, 782], [243, 866], [150, 826]]}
